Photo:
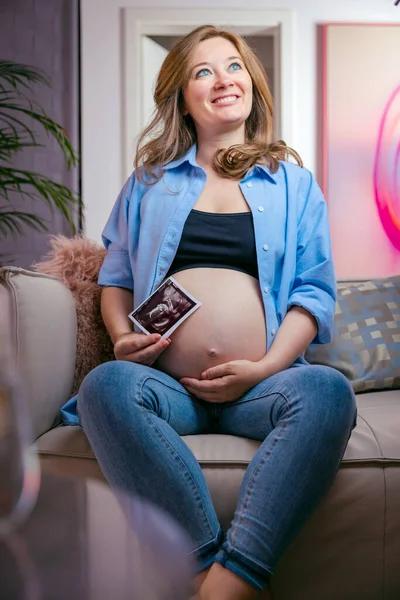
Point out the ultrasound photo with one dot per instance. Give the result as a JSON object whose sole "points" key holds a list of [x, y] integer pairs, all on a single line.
{"points": [[165, 309]]}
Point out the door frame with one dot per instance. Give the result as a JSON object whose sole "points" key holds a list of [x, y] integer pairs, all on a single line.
{"points": [[137, 22]]}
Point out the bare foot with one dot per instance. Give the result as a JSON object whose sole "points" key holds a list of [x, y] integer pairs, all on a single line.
{"points": [[221, 584], [197, 583]]}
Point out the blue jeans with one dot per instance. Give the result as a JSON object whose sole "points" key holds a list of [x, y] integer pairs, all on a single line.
{"points": [[134, 415]]}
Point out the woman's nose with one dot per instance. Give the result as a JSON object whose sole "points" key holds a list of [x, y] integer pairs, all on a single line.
{"points": [[223, 80]]}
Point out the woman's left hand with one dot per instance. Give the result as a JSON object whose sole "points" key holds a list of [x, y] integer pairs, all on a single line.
{"points": [[226, 382]]}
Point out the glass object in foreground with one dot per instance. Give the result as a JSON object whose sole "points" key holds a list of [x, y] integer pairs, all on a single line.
{"points": [[19, 463]]}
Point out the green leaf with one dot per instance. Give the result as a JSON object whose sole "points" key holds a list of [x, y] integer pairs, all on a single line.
{"points": [[32, 185], [19, 115], [50, 127], [10, 144], [16, 74], [11, 221]]}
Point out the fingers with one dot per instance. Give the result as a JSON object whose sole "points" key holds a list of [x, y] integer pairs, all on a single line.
{"points": [[208, 396], [214, 397], [140, 348], [218, 371], [198, 390], [148, 354], [205, 390], [215, 390], [131, 342], [141, 340]]}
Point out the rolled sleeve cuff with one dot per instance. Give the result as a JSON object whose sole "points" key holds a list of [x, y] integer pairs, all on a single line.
{"points": [[116, 269], [321, 307]]}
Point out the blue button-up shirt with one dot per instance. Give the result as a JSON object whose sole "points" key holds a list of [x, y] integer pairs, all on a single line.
{"points": [[291, 230]]}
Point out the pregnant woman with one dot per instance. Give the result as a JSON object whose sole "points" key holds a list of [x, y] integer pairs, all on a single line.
{"points": [[215, 202]]}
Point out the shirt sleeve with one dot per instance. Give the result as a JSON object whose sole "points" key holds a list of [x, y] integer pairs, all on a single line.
{"points": [[314, 285], [116, 269]]}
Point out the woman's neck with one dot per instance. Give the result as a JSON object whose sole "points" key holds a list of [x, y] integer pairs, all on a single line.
{"points": [[207, 147]]}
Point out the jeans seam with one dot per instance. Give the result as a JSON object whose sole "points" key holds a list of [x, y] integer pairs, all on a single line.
{"points": [[214, 539], [241, 401], [171, 387], [260, 463], [249, 558], [175, 453]]}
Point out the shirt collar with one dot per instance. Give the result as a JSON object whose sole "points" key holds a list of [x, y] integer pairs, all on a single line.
{"points": [[263, 169], [190, 157]]}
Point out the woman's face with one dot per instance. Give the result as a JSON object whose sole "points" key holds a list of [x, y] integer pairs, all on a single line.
{"points": [[218, 95]]}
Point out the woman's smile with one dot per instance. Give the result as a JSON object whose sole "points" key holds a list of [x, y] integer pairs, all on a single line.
{"points": [[224, 100]]}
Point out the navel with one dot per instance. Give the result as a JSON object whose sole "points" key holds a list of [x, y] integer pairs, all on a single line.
{"points": [[212, 352]]}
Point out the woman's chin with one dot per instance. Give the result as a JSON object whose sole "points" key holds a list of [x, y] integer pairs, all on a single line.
{"points": [[227, 123]]}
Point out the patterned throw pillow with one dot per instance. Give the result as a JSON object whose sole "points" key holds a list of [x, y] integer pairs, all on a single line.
{"points": [[366, 339]]}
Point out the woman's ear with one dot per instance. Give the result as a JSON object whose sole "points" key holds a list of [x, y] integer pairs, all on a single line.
{"points": [[184, 111]]}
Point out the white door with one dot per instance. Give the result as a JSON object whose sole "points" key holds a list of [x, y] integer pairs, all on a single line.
{"points": [[152, 57]]}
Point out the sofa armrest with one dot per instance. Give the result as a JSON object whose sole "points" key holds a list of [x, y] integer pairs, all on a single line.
{"points": [[38, 316]]}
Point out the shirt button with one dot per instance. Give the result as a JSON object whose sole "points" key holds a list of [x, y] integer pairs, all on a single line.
{"points": [[265, 247], [249, 184], [261, 208], [273, 331], [266, 290]]}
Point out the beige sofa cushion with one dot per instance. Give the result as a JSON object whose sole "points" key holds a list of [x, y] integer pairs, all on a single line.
{"points": [[39, 316], [224, 458]]}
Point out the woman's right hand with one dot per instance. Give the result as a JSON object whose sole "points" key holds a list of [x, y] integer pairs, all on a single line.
{"points": [[139, 347]]}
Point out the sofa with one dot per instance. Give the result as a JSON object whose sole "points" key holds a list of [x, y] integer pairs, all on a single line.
{"points": [[350, 547]]}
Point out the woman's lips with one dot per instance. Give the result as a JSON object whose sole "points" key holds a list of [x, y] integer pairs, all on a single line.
{"points": [[225, 99]]}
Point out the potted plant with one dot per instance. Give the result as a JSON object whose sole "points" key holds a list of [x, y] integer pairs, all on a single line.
{"points": [[18, 117]]}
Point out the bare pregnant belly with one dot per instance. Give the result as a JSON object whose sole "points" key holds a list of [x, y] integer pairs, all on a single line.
{"points": [[229, 325]]}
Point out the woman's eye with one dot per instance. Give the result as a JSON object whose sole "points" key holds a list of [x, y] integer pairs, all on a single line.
{"points": [[203, 72], [235, 66]]}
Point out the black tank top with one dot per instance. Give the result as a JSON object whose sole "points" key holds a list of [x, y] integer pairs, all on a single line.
{"points": [[219, 240]]}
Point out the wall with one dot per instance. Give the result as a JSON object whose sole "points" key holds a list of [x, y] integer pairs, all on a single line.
{"points": [[101, 20], [44, 34]]}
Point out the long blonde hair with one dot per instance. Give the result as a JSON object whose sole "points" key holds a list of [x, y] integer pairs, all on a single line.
{"points": [[170, 134]]}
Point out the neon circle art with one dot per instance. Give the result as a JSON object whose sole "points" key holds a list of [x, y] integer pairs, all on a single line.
{"points": [[387, 169]]}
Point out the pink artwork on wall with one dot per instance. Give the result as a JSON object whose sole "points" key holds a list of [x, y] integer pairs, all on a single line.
{"points": [[360, 145], [387, 169]]}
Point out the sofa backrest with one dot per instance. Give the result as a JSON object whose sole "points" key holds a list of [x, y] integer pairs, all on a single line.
{"points": [[38, 324]]}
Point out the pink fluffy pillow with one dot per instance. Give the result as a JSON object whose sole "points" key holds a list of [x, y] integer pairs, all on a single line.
{"points": [[77, 261]]}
